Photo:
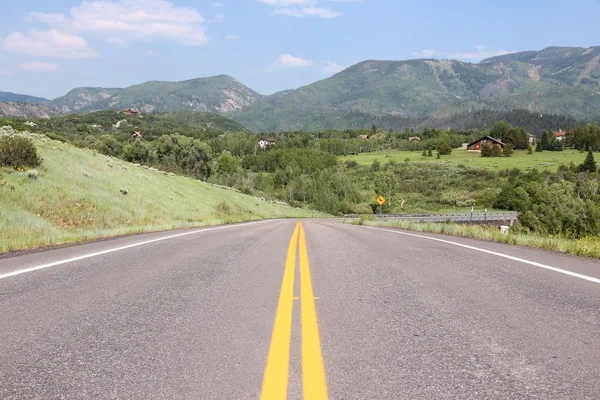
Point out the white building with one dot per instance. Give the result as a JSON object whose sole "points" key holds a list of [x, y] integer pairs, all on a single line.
{"points": [[266, 142]]}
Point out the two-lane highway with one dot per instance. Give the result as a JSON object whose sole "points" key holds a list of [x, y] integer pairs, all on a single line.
{"points": [[313, 310]]}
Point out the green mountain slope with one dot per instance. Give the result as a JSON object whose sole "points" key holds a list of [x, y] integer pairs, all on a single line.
{"points": [[203, 120], [217, 94], [82, 98], [554, 80], [15, 97], [557, 80], [27, 110]]}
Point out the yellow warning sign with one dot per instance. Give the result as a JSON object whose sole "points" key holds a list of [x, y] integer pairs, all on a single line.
{"points": [[381, 200]]}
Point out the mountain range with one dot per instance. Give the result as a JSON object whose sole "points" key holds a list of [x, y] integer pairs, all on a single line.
{"points": [[557, 80]]}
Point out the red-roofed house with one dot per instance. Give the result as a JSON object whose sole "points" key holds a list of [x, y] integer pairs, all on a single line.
{"points": [[560, 135]]}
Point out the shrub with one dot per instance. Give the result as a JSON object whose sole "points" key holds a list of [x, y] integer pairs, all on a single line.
{"points": [[223, 208], [508, 150], [496, 150], [486, 150], [18, 152], [444, 149]]}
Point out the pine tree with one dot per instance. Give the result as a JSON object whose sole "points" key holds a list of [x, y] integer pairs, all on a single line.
{"points": [[545, 141], [529, 150], [589, 165], [429, 153], [538, 147]]}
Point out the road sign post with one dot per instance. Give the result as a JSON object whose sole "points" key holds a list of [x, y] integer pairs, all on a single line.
{"points": [[381, 201]]}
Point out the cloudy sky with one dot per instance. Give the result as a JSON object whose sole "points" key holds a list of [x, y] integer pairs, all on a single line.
{"points": [[50, 47]]}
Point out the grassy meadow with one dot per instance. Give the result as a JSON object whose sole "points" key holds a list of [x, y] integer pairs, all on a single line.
{"points": [[550, 160], [78, 194]]}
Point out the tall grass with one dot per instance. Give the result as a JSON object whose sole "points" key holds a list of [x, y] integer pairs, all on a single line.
{"points": [[79, 195], [586, 247]]}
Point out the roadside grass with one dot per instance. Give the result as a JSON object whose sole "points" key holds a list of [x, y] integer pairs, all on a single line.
{"points": [[78, 195], [550, 160], [586, 247]]}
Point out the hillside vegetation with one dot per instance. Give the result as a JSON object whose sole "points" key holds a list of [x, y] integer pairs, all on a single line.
{"points": [[78, 194]]}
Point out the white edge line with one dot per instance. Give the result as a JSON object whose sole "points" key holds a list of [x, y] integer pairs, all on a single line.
{"points": [[535, 264], [99, 253]]}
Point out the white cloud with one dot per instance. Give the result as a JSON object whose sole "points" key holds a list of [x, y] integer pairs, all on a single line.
{"points": [[332, 67], [320, 12], [50, 43], [38, 66], [219, 17], [301, 8], [426, 53], [232, 37], [288, 60], [117, 41], [216, 4], [152, 53], [130, 20], [481, 53], [280, 3]]}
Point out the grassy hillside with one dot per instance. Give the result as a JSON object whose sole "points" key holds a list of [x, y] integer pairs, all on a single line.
{"points": [[76, 195]]}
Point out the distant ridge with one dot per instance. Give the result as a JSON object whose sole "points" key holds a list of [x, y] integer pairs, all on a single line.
{"points": [[555, 80]]}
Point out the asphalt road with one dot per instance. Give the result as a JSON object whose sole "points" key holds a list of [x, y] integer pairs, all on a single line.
{"points": [[388, 316]]}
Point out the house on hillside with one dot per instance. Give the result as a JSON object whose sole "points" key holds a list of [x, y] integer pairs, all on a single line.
{"points": [[266, 143], [32, 124], [414, 139], [560, 135], [130, 111], [479, 143], [364, 136], [531, 138]]}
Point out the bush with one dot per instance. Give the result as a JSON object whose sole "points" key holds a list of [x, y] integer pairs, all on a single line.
{"points": [[444, 149], [18, 152], [224, 208], [486, 150]]}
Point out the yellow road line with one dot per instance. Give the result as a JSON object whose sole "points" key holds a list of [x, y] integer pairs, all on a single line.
{"points": [[275, 380], [313, 369]]}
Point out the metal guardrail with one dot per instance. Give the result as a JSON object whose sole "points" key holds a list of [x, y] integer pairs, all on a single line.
{"points": [[509, 217]]}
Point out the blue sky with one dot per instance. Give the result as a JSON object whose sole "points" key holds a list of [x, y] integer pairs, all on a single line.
{"points": [[50, 47]]}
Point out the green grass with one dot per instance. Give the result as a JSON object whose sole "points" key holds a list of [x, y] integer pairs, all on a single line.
{"points": [[77, 196], [587, 247], [545, 160]]}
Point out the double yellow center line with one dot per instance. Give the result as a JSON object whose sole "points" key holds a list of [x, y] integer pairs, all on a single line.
{"points": [[275, 380]]}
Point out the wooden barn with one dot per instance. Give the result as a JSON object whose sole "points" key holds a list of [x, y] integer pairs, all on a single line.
{"points": [[479, 143]]}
